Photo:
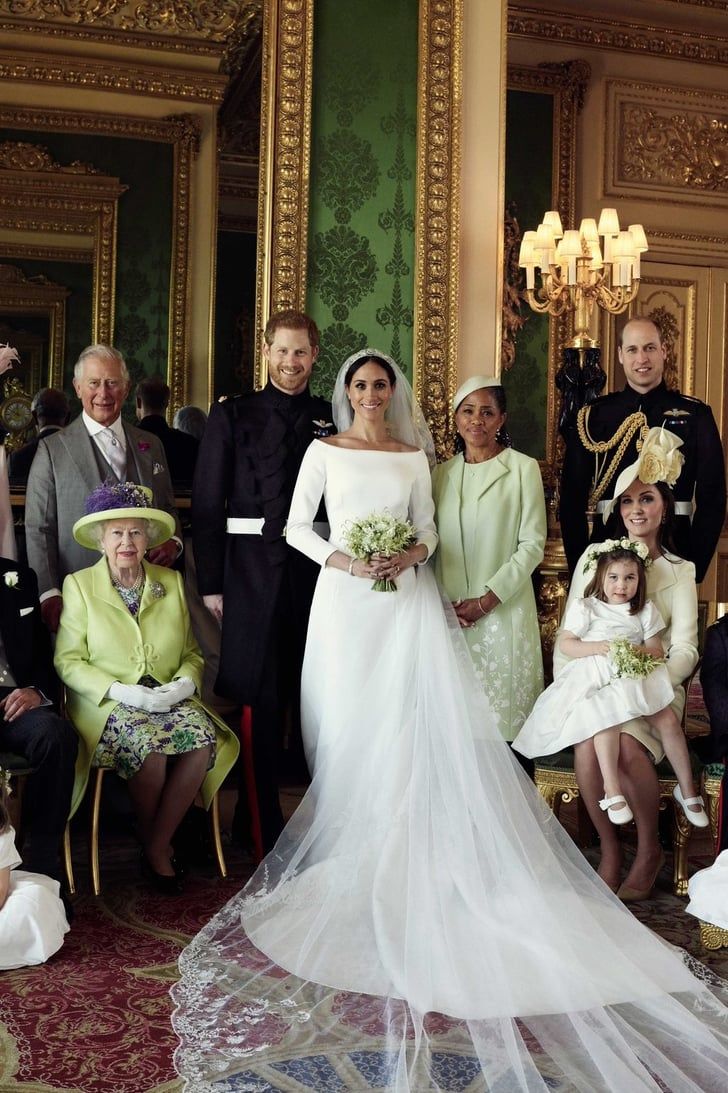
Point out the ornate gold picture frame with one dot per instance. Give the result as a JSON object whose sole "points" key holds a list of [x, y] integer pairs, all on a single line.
{"points": [[182, 132]]}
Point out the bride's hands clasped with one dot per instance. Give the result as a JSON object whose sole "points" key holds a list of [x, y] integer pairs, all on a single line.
{"points": [[389, 566]]}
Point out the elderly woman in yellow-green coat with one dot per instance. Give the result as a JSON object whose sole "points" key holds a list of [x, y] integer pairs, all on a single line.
{"points": [[491, 519], [132, 670]]}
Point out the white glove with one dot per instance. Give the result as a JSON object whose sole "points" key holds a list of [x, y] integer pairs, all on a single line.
{"points": [[151, 699], [177, 690]]}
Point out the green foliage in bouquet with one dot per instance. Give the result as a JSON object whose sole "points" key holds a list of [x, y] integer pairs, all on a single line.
{"points": [[379, 533], [628, 660]]}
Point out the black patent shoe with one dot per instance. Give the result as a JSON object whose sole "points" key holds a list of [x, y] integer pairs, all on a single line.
{"points": [[160, 882]]}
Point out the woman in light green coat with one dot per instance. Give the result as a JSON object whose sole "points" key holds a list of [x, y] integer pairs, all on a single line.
{"points": [[491, 519], [132, 671]]}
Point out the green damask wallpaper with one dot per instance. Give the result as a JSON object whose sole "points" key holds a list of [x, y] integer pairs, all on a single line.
{"points": [[362, 192], [144, 239], [529, 154]]}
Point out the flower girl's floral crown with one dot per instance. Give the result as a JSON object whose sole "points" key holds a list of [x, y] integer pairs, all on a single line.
{"points": [[639, 550]]}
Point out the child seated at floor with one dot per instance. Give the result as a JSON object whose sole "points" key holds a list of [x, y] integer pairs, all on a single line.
{"points": [[32, 917]]}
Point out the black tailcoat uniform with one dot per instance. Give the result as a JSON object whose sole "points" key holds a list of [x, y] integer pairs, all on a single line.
{"points": [[47, 741], [247, 466], [702, 479]]}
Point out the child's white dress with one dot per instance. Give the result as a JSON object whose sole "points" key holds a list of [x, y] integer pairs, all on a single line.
{"points": [[586, 697], [32, 919]]}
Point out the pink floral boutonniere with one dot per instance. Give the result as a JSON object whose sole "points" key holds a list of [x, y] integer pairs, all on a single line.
{"points": [[143, 445]]}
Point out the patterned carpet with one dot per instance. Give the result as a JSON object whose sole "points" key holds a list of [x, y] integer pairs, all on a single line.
{"points": [[95, 1018]]}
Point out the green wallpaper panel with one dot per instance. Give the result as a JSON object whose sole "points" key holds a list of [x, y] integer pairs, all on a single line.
{"points": [[144, 239], [362, 195], [529, 154]]}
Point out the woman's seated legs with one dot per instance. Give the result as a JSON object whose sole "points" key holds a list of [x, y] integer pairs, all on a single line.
{"points": [[161, 799], [642, 790], [590, 781]]}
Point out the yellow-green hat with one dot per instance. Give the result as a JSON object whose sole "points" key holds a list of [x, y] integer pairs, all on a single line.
{"points": [[122, 501]]}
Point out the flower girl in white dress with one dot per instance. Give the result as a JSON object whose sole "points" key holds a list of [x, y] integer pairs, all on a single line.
{"points": [[32, 917], [616, 673]]}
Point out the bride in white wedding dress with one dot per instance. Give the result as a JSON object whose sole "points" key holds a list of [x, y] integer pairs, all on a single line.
{"points": [[423, 922]]}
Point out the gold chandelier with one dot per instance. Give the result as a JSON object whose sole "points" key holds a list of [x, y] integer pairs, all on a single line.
{"points": [[576, 271]]}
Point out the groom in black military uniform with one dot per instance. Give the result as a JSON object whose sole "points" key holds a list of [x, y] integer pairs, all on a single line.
{"points": [[604, 439], [257, 587]]}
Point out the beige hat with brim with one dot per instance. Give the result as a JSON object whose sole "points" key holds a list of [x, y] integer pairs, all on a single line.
{"points": [[474, 383], [161, 524], [659, 461]]}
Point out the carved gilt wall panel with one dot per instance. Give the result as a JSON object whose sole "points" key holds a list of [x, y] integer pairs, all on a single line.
{"points": [[667, 141]]}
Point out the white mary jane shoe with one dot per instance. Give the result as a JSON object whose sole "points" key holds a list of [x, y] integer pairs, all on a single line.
{"points": [[697, 819], [618, 816]]}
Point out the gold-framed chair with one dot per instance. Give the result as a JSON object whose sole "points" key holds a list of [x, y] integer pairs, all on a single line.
{"points": [[713, 937], [96, 782], [20, 769]]}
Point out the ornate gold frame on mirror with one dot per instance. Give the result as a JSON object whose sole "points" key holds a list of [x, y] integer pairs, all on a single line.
{"points": [[37, 296], [49, 203], [566, 83], [182, 131], [284, 175]]}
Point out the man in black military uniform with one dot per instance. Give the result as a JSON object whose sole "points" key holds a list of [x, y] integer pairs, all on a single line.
{"points": [[258, 587], [605, 438]]}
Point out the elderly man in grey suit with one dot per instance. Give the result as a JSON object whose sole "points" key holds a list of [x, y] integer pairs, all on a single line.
{"points": [[98, 446]]}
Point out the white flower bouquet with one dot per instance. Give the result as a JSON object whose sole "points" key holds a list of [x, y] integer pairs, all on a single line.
{"points": [[379, 533], [627, 660]]}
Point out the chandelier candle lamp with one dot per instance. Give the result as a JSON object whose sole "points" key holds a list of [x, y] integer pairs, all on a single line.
{"points": [[575, 272]]}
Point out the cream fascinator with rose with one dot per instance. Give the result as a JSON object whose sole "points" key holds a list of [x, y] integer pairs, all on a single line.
{"points": [[659, 461]]}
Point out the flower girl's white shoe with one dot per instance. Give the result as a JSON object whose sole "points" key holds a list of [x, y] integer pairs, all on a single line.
{"points": [[697, 819], [617, 815]]}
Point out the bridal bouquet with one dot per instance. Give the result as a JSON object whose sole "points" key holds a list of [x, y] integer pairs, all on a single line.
{"points": [[379, 533], [627, 660]]}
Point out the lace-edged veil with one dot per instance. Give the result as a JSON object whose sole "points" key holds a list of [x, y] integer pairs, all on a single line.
{"points": [[404, 417]]}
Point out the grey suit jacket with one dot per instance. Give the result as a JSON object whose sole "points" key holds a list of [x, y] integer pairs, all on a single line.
{"points": [[63, 474]]}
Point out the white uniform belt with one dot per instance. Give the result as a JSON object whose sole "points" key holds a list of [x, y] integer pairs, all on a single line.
{"points": [[682, 508], [253, 525]]}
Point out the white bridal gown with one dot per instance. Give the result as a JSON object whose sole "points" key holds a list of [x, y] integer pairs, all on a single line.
{"points": [[424, 923]]}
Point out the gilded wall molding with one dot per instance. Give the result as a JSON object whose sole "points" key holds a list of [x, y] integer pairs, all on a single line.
{"points": [[39, 195], [208, 28], [182, 131], [285, 142], [587, 30], [47, 253], [437, 230], [38, 296], [106, 76], [674, 141], [567, 81]]}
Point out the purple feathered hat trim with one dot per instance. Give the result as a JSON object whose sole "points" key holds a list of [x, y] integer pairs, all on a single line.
{"points": [[118, 495]]}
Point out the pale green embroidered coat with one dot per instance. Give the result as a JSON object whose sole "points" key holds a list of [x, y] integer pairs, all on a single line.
{"points": [[491, 520]]}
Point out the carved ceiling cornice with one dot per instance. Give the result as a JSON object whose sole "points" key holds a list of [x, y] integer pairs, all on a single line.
{"points": [[137, 79], [600, 32], [203, 28]]}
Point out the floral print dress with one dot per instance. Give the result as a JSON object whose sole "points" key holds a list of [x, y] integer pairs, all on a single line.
{"points": [[131, 734]]}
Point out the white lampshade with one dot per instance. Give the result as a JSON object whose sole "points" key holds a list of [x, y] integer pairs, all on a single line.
{"points": [[638, 238], [623, 247], [571, 245], [608, 222], [526, 255], [588, 228], [553, 220], [545, 237], [595, 255]]}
